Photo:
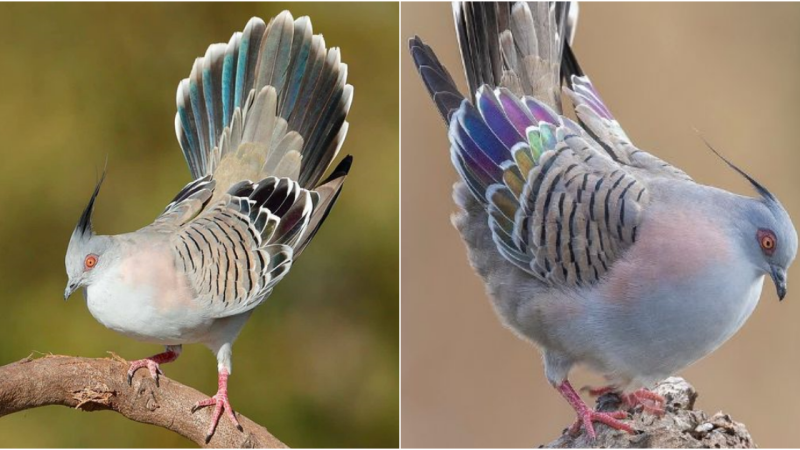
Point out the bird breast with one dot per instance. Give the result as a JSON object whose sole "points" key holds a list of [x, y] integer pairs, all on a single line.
{"points": [[679, 293], [144, 296]]}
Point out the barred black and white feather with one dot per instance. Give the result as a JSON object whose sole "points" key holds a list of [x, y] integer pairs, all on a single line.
{"points": [[235, 252], [259, 120], [271, 103]]}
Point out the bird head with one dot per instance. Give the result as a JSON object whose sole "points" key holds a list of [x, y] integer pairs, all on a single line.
{"points": [[86, 250], [768, 230], [772, 238]]}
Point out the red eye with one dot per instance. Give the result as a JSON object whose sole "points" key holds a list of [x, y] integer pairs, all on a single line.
{"points": [[767, 241], [90, 262]]}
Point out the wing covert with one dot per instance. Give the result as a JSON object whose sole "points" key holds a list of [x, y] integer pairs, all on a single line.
{"points": [[558, 205]]}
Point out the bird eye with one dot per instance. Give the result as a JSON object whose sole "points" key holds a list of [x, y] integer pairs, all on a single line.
{"points": [[768, 241], [90, 262]]}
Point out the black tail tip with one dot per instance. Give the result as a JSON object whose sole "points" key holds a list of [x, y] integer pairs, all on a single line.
{"points": [[344, 167], [569, 64]]}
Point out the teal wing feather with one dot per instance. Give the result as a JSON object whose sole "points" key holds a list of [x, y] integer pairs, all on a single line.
{"points": [[294, 87], [271, 104]]}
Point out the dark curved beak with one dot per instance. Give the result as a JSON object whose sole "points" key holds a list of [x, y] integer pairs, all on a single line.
{"points": [[779, 278], [69, 290]]}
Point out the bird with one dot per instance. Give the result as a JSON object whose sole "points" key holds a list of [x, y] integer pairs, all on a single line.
{"points": [[597, 252], [259, 120]]}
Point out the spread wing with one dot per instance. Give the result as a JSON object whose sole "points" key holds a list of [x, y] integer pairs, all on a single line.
{"points": [[237, 250], [559, 206], [563, 199], [270, 106], [273, 101], [234, 250]]}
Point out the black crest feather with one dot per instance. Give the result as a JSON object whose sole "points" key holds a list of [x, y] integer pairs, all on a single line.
{"points": [[764, 192], [84, 226]]}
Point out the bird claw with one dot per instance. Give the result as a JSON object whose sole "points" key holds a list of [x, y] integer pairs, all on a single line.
{"points": [[588, 417], [651, 402], [151, 365], [221, 403]]}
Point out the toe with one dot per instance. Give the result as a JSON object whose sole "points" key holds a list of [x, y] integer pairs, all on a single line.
{"points": [[232, 416], [612, 420], [589, 427], [203, 403], [136, 365], [597, 392]]}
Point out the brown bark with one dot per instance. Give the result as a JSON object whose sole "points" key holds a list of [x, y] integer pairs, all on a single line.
{"points": [[101, 384], [680, 427]]}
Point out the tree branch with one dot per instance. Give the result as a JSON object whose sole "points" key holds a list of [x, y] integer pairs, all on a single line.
{"points": [[680, 427], [101, 384]]}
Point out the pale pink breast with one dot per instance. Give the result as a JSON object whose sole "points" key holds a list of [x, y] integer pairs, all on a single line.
{"points": [[153, 267], [673, 247]]}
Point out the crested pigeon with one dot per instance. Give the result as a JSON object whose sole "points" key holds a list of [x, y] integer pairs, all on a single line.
{"points": [[594, 250], [259, 120]]}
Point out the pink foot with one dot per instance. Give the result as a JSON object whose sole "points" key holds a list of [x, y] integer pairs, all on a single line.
{"points": [[609, 418], [220, 402], [587, 416], [152, 363], [650, 401], [597, 392]]}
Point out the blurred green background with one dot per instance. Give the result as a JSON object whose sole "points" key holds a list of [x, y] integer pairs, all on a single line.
{"points": [[318, 363]]}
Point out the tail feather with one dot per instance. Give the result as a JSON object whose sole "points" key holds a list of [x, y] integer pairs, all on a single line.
{"points": [[437, 79], [324, 197], [514, 45], [274, 87], [478, 33]]}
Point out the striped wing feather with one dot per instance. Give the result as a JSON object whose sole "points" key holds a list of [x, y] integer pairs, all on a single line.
{"points": [[558, 205], [235, 252], [270, 105], [563, 199], [578, 212]]}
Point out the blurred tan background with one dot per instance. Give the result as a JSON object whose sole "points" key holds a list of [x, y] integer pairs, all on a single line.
{"points": [[732, 71], [317, 364]]}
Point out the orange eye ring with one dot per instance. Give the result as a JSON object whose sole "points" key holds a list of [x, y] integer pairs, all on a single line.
{"points": [[90, 262], [767, 241]]}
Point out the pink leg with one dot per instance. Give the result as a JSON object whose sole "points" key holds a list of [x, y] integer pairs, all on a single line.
{"points": [[152, 363], [586, 415], [220, 400]]}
